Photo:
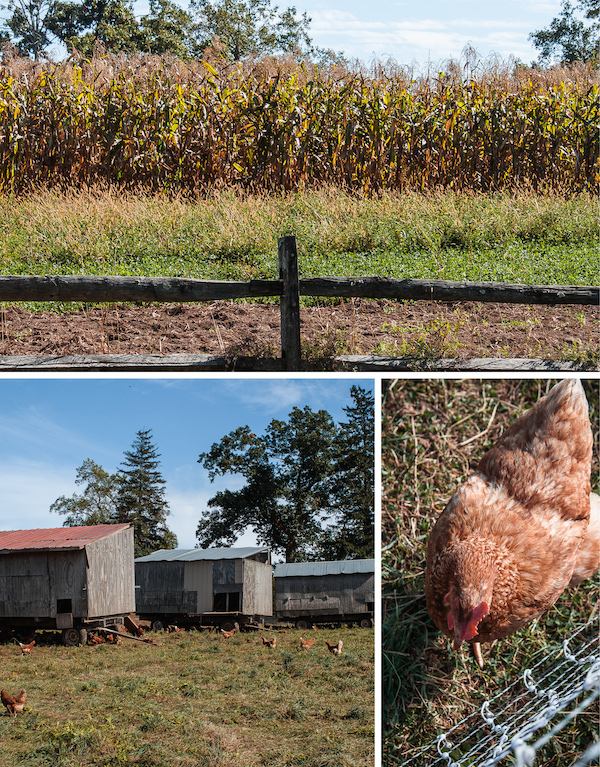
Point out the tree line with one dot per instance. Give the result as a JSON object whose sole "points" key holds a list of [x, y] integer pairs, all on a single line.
{"points": [[308, 492], [236, 29]]}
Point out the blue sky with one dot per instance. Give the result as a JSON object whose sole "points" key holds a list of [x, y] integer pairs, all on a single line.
{"points": [[429, 30], [419, 32], [49, 426]]}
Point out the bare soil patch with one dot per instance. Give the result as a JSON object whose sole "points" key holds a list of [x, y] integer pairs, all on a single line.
{"points": [[356, 326]]}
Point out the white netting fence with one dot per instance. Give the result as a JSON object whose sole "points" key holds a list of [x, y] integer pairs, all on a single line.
{"points": [[517, 722]]}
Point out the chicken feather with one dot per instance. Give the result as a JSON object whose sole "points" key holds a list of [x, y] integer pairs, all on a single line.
{"points": [[513, 536]]}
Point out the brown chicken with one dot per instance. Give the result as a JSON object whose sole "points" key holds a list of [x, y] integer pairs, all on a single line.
{"points": [[13, 704], [270, 642], [26, 648], [306, 644], [513, 536], [228, 634], [588, 559], [336, 649]]}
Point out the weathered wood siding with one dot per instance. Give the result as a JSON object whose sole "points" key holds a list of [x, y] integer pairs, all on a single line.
{"points": [[198, 580], [24, 586], [257, 588], [193, 587], [348, 594], [32, 583], [110, 575], [160, 588]]}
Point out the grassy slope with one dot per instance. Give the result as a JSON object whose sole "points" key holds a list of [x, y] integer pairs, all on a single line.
{"points": [[196, 699], [433, 434], [503, 237]]}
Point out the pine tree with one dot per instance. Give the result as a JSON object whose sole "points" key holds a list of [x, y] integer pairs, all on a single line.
{"points": [[141, 497], [351, 534]]}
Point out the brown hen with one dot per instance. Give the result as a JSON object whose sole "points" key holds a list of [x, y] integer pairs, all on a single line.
{"points": [[335, 649], [513, 536], [13, 704]]}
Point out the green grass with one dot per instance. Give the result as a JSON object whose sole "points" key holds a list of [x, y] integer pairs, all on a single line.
{"points": [[433, 434], [501, 237], [195, 699]]}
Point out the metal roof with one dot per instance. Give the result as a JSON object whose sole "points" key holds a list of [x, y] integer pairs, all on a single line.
{"points": [[343, 567], [52, 538], [194, 555]]}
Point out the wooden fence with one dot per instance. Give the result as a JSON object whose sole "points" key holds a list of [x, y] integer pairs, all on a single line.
{"points": [[289, 288]]}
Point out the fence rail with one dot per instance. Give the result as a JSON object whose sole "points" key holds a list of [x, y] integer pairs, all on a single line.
{"points": [[110, 289], [181, 290]]}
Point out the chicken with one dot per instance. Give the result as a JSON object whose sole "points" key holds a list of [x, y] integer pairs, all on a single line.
{"points": [[509, 540], [26, 648], [588, 559], [13, 705], [306, 644], [336, 649], [228, 634], [270, 642]]}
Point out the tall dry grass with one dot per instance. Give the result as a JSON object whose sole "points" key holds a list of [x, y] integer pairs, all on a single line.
{"points": [[277, 124]]}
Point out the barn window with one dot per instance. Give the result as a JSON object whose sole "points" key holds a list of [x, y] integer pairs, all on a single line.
{"points": [[64, 606], [220, 603], [227, 602]]}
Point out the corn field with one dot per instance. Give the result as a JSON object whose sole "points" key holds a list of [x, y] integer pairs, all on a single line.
{"points": [[162, 124]]}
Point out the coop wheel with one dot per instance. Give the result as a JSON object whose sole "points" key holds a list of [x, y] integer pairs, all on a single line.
{"points": [[157, 626], [366, 623], [303, 624], [229, 625], [70, 637]]}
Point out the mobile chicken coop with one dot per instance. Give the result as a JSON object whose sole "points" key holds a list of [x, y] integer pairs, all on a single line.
{"points": [[230, 588], [69, 578], [326, 592]]}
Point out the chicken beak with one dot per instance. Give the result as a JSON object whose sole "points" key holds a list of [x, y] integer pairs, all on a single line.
{"points": [[467, 631]]}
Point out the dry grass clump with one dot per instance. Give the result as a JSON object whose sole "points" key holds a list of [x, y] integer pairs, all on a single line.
{"points": [[433, 434]]}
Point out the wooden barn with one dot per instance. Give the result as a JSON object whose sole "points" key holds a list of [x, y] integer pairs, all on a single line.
{"points": [[224, 587], [326, 592], [69, 578]]}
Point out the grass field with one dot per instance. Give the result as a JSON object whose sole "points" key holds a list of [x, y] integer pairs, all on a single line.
{"points": [[507, 237], [433, 434], [194, 699]]}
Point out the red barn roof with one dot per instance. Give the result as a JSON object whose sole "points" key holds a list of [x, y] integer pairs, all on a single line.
{"points": [[53, 538]]}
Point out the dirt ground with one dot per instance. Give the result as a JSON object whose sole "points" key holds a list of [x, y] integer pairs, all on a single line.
{"points": [[355, 326]]}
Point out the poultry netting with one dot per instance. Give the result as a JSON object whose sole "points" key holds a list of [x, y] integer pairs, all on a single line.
{"points": [[511, 727]]}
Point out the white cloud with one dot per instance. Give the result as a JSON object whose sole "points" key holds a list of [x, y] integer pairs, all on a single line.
{"points": [[420, 40], [186, 508], [27, 490]]}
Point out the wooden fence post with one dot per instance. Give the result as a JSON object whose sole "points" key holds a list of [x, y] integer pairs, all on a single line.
{"points": [[290, 303]]}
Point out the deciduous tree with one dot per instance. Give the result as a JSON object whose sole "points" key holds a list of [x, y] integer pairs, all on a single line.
{"points": [[28, 25], [571, 37], [246, 27], [97, 504], [286, 473], [85, 24]]}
